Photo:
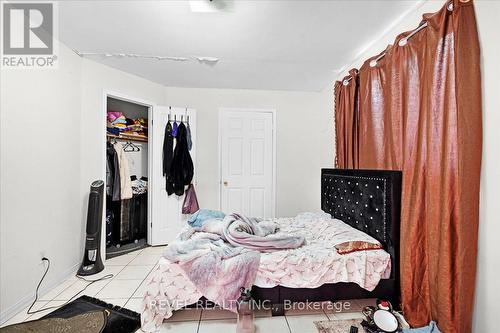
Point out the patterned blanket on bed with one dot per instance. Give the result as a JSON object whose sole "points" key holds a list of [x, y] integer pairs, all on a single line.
{"points": [[222, 256]]}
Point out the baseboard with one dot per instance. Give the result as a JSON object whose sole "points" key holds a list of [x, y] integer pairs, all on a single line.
{"points": [[27, 299]]}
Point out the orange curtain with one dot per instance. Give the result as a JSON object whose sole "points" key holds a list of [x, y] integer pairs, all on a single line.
{"points": [[420, 112], [346, 121]]}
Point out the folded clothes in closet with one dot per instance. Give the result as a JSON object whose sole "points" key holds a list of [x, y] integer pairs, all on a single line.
{"points": [[112, 115], [118, 123]]}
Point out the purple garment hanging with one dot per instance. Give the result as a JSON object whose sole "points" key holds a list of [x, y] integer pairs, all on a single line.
{"points": [[174, 129]]}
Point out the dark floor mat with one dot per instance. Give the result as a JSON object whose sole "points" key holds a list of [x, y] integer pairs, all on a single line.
{"points": [[120, 320], [89, 322]]}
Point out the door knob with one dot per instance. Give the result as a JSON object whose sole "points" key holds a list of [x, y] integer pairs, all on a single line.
{"points": [[225, 183]]}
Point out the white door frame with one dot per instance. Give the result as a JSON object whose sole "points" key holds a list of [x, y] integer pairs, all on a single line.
{"points": [[150, 106], [273, 114]]}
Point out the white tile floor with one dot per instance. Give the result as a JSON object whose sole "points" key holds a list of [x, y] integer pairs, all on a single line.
{"points": [[126, 289]]}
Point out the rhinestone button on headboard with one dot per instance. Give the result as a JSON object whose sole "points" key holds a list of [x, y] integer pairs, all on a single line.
{"points": [[358, 201]]}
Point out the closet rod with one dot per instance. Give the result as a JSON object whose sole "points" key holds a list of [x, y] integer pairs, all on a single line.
{"points": [[186, 118]]}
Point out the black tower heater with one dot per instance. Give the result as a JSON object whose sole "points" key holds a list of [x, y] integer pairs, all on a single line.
{"points": [[92, 262]]}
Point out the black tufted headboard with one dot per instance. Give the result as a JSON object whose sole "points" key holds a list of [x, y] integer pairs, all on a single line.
{"points": [[368, 200]]}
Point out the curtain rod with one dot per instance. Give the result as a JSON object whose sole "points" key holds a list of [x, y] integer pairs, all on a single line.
{"points": [[402, 42]]}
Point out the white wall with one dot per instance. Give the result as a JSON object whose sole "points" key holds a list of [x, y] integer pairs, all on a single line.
{"points": [[488, 14], [96, 79], [39, 177], [52, 144], [487, 287], [304, 140]]}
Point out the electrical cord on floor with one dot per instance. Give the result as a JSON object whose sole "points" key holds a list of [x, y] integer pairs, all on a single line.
{"points": [[105, 277]]}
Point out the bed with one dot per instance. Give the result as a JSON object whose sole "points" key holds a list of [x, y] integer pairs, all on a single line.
{"points": [[356, 205], [367, 200]]}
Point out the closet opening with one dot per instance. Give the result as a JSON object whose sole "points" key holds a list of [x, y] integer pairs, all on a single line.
{"points": [[127, 203]]}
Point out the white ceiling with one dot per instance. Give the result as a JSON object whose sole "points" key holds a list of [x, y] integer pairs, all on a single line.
{"points": [[277, 45]]}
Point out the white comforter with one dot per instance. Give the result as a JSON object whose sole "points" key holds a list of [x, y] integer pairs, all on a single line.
{"points": [[317, 262]]}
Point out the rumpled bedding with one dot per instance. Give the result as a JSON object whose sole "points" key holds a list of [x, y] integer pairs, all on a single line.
{"points": [[198, 218], [251, 233], [318, 262], [311, 265], [214, 266], [222, 256]]}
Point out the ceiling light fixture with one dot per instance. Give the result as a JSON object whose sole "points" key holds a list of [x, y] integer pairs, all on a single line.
{"points": [[211, 6], [203, 6]]}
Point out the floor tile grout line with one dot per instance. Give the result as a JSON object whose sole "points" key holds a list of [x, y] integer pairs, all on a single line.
{"points": [[105, 284], [53, 299], [30, 315], [109, 280], [59, 293], [132, 295]]}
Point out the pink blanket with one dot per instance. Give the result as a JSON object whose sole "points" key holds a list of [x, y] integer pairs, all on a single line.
{"points": [[215, 267]]}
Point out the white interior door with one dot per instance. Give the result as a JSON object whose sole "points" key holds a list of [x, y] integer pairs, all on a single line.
{"points": [[167, 219], [247, 164]]}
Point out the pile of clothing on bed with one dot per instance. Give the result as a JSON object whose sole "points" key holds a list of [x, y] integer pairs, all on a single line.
{"points": [[222, 255]]}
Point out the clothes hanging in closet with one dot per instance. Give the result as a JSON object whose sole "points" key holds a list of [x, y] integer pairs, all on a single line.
{"points": [[174, 129], [126, 218], [125, 182], [112, 173], [182, 168], [139, 186], [168, 153], [188, 137]]}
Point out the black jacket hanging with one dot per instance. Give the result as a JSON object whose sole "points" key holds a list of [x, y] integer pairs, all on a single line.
{"points": [[182, 168], [112, 173], [168, 147]]}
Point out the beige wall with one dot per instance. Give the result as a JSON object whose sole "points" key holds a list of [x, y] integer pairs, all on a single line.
{"points": [[488, 20]]}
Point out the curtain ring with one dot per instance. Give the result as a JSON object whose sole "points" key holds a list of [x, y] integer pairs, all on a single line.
{"points": [[373, 63], [403, 42], [345, 82], [450, 6]]}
